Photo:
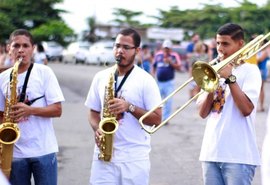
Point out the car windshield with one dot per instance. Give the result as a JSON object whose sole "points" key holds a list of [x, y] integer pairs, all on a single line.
{"points": [[108, 47], [84, 47], [52, 44]]}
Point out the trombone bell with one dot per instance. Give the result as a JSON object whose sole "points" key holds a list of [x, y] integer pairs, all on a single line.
{"points": [[205, 76]]}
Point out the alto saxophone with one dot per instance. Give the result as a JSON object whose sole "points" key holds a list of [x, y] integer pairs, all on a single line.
{"points": [[108, 124], [9, 130]]}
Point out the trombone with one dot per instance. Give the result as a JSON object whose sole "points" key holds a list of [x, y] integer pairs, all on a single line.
{"points": [[206, 76]]}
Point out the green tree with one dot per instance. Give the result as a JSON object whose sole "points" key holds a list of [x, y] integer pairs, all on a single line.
{"points": [[5, 27], [253, 18], [126, 17], [206, 21], [30, 14], [53, 30], [91, 37]]}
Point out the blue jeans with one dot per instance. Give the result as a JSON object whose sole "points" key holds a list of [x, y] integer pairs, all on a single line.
{"points": [[217, 173], [43, 168], [166, 88]]}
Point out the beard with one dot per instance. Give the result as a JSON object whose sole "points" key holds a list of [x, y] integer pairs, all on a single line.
{"points": [[128, 62]]}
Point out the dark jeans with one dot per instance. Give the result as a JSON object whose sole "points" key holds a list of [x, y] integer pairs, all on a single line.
{"points": [[43, 168]]}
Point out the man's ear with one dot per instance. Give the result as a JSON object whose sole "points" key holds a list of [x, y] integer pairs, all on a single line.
{"points": [[138, 50], [241, 43]]}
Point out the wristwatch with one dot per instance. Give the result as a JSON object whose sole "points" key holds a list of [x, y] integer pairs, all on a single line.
{"points": [[230, 80], [131, 108]]}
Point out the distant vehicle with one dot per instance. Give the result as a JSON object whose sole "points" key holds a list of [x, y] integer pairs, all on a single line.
{"points": [[76, 52], [101, 53], [53, 50]]}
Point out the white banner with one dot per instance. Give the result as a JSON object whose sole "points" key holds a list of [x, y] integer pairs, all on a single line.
{"points": [[175, 34]]}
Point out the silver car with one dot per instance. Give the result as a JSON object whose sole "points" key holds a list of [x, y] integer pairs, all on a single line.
{"points": [[53, 50], [76, 52], [101, 53]]}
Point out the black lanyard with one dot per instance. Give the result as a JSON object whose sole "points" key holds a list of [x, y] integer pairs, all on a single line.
{"points": [[22, 95], [122, 81]]}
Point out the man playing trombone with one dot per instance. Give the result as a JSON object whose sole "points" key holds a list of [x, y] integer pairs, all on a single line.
{"points": [[229, 152]]}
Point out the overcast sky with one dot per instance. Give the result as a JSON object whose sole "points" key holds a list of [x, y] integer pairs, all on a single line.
{"points": [[80, 10]]}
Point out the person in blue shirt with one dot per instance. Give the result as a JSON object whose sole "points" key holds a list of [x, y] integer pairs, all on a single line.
{"points": [[166, 62], [194, 39]]}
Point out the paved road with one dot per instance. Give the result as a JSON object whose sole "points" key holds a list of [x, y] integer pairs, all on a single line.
{"points": [[175, 148]]}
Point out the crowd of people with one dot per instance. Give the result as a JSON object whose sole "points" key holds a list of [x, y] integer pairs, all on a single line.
{"points": [[229, 152]]}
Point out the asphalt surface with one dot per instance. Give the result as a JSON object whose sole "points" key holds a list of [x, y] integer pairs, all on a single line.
{"points": [[175, 147]]}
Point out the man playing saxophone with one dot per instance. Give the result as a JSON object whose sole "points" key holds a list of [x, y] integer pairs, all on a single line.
{"points": [[39, 99], [229, 151], [135, 92]]}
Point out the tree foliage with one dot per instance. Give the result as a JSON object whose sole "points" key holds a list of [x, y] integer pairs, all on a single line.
{"points": [[126, 17], [206, 21], [45, 22], [92, 25], [53, 30], [31, 15]]}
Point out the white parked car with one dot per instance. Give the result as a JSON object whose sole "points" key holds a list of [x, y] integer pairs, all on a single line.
{"points": [[76, 52], [53, 50], [101, 53]]}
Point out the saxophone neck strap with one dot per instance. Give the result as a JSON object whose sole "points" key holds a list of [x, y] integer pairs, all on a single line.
{"points": [[22, 95], [117, 89]]}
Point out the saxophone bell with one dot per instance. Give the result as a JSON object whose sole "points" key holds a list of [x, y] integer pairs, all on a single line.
{"points": [[108, 126]]}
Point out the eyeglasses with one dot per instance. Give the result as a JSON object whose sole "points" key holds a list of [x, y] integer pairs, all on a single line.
{"points": [[124, 47]]}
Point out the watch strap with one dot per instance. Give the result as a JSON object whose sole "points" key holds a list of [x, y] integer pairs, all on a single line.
{"points": [[227, 81]]}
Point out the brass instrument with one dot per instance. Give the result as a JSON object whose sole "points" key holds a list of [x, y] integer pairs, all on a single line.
{"points": [[9, 130], [206, 76], [108, 124]]}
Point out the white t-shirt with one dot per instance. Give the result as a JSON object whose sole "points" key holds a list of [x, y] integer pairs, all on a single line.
{"points": [[131, 142], [3, 179], [37, 133], [229, 136], [266, 154]]}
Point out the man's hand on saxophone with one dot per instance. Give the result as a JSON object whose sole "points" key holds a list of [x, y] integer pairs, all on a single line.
{"points": [[118, 106], [20, 112], [98, 136]]}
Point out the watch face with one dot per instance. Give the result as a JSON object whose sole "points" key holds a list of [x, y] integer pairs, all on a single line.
{"points": [[232, 78], [131, 108]]}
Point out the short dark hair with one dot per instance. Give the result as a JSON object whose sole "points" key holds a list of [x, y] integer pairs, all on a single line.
{"points": [[133, 33], [21, 32], [234, 30], [40, 47], [145, 46]]}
